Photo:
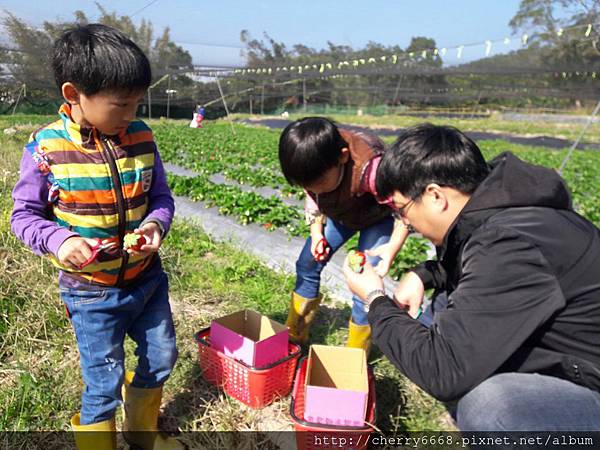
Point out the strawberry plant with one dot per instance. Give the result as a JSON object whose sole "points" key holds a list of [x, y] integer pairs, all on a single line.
{"points": [[250, 157]]}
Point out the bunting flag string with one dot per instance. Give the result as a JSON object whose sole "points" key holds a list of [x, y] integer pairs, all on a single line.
{"points": [[412, 56]]}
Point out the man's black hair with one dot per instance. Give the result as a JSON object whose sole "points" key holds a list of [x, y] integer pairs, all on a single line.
{"points": [[96, 58], [308, 148], [426, 154]]}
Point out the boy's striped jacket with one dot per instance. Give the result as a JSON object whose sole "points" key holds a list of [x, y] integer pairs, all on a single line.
{"points": [[76, 181]]}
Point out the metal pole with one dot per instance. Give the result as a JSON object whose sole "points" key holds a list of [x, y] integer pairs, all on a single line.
{"points": [[572, 149], [397, 90], [224, 102], [478, 100], [251, 97], [168, 96], [18, 99], [262, 100], [304, 94], [149, 96]]}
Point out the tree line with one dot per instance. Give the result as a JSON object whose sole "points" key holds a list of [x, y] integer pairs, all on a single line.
{"points": [[558, 67]]}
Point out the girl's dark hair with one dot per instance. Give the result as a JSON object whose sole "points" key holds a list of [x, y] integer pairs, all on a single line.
{"points": [[96, 57], [308, 148], [426, 154]]}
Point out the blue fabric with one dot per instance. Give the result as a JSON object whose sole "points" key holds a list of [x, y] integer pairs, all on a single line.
{"points": [[528, 402], [308, 271], [101, 320], [439, 302]]}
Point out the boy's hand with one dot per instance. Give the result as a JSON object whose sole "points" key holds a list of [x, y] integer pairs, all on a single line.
{"points": [[319, 247], [363, 283], [386, 254], [409, 293], [153, 239], [74, 251]]}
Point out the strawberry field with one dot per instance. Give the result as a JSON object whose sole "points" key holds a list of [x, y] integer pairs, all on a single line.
{"points": [[247, 158], [239, 174]]}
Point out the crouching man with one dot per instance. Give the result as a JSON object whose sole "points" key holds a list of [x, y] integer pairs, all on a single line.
{"points": [[517, 345]]}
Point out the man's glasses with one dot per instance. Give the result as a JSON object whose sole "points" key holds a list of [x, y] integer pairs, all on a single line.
{"points": [[401, 212]]}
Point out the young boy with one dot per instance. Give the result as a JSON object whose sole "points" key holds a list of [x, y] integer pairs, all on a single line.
{"points": [[337, 170], [90, 178]]}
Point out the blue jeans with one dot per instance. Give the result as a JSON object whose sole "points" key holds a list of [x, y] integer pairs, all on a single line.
{"points": [[308, 271], [439, 301], [522, 401], [528, 402], [101, 319]]}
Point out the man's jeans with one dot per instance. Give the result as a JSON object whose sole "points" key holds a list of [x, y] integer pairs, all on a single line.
{"points": [[308, 271], [101, 319], [528, 402], [522, 401]]}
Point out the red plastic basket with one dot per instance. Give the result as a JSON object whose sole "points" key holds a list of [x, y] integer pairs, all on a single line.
{"points": [[255, 386], [310, 435]]}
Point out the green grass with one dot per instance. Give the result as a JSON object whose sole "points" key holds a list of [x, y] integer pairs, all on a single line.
{"points": [[38, 363], [40, 382]]}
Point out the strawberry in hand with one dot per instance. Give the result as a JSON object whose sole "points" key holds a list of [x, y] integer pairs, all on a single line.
{"points": [[134, 241], [144, 240], [321, 250], [356, 260]]}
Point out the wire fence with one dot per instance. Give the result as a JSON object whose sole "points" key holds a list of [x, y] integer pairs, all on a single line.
{"points": [[371, 90]]}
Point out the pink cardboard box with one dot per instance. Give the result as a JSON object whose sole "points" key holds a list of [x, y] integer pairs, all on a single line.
{"points": [[250, 337], [337, 386]]}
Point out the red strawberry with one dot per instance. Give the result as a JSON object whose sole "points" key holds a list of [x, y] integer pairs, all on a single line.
{"points": [[322, 250], [356, 260], [134, 241]]}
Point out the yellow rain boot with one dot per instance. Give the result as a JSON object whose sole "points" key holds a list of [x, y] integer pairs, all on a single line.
{"points": [[359, 336], [141, 408], [301, 314], [96, 436]]}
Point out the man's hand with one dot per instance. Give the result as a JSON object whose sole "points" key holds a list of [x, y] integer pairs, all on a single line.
{"points": [[386, 253], [409, 293], [74, 251], [153, 239], [363, 283]]}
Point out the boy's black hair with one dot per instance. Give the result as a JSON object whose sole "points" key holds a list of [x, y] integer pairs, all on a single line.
{"points": [[426, 154], [308, 148], [96, 58]]}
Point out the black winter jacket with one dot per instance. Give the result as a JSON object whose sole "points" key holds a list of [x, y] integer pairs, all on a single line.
{"points": [[522, 273]]}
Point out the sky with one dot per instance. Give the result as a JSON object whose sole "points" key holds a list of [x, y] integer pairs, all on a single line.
{"points": [[210, 31]]}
